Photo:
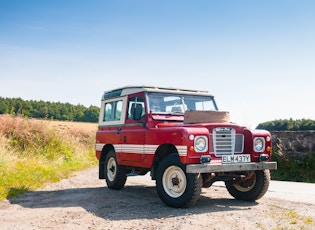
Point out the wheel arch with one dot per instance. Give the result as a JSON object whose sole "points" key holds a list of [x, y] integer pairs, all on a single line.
{"points": [[161, 152], [101, 162]]}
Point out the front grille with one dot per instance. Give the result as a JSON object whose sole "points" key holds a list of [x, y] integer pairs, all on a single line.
{"points": [[224, 141]]}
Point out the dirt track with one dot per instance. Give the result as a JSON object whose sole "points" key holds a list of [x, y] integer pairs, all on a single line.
{"points": [[84, 202]]}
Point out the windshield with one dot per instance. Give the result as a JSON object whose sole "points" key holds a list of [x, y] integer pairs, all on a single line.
{"points": [[177, 103]]}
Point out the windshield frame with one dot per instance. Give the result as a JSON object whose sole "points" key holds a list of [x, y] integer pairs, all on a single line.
{"points": [[177, 104]]}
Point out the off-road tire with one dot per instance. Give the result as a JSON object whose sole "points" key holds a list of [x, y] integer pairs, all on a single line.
{"points": [[115, 174], [253, 189], [175, 187]]}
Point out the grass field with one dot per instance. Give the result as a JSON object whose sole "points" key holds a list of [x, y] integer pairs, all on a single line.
{"points": [[35, 152]]}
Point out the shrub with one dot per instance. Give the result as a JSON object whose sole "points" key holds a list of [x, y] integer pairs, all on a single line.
{"points": [[290, 169], [34, 152]]}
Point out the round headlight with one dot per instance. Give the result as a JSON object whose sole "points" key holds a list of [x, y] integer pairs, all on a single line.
{"points": [[259, 144], [201, 144]]}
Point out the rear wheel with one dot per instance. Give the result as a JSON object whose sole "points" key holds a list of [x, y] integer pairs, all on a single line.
{"points": [[115, 174], [175, 187], [252, 187]]}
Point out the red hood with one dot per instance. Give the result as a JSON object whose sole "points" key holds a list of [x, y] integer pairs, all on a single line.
{"points": [[209, 126]]}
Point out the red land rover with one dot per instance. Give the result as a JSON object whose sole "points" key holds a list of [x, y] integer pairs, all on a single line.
{"points": [[183, 140]]}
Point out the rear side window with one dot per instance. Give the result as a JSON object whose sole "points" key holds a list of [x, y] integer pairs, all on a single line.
{"points": [[113, 111]]}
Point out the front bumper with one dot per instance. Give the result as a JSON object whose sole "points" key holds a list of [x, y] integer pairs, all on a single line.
{"points": [[208, 168]]}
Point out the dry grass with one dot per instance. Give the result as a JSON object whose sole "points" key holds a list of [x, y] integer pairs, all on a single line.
{"points": [[34, 152]]}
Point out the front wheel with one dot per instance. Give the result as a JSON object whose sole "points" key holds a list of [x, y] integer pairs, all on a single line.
{"points": [[252, 187], [175, 187], [115, 174]]}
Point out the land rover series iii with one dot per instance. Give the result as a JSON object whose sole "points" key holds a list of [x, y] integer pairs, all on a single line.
{"points": [[183, 140]]}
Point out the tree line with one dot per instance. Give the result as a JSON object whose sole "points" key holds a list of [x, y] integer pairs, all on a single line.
{"points": [[48, 110], [288, 124], [68, 112]]}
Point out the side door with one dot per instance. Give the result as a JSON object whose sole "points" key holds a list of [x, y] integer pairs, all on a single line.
{"points": [[132, 134]]}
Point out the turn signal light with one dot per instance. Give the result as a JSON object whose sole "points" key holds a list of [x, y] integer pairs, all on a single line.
{"points": [[268, 148], [191, 148]]}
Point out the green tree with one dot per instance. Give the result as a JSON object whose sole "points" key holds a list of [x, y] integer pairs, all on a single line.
{"points": [[49, 110]]}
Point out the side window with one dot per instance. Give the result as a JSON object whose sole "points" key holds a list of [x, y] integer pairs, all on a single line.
{"points": [[118, 110], [112, 111], [135, 102]]}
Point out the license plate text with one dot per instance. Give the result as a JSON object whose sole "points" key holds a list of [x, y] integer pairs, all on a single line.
{"points": [[241, 158]]}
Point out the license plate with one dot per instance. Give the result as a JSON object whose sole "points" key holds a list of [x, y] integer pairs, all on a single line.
{"points": [[240, 158]]}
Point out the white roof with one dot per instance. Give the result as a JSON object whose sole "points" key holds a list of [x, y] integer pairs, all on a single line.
{"points": [[137, 89]]}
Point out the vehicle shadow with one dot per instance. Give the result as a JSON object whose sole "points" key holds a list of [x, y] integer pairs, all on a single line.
{"points": [[132, 202]]}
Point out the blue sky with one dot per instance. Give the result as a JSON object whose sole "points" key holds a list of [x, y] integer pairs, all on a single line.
{"points": [[256, 57]]}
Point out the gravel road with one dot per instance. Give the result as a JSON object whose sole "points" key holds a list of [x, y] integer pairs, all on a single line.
{"points": [[84, 202]]}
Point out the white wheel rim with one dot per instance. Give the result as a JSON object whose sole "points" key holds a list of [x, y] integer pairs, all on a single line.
{"points": [[247, 188], [174, 181], [111, 169]]}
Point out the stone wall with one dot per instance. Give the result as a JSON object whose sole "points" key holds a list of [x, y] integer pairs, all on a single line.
{"points": [[293, 143]]}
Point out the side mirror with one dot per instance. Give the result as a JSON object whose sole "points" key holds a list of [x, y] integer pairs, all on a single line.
{"points": [[137, 114]]}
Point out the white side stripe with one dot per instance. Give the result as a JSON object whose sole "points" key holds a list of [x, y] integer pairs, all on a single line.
{"points": [[141, 149], [99, 147], [182, 150]]}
